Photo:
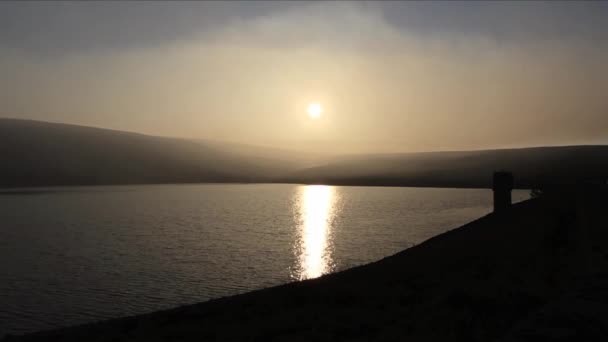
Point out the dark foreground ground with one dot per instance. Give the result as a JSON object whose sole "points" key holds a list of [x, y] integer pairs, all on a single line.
{"points": [[536, 272]]}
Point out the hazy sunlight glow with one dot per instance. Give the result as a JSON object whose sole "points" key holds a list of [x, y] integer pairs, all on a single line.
{"points": [[315, 110]]}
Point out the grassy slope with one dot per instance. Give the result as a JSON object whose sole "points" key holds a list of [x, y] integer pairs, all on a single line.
{"points": [[531, 166], [43, 154]]}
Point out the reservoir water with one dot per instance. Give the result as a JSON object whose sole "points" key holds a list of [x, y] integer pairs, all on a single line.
{"points": [[81, 254]]}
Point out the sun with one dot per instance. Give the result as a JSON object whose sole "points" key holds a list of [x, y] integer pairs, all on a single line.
{"points": [[314, 110]]}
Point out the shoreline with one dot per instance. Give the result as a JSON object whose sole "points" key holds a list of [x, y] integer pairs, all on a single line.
{"points": [[488, 279], [11, 190]]}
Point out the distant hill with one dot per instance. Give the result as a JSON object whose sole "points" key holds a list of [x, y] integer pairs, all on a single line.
{"points": [[38, 153], [531, 167], [42, 154]]}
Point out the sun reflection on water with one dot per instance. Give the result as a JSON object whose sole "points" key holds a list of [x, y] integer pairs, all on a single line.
{"points": [[316, 210]]}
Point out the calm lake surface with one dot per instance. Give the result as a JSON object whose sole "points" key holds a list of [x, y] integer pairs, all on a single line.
{"points": [[80, 254]]}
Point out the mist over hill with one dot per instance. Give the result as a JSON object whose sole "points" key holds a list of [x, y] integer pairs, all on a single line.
{"points": [[532, 167], [46, 154], [43, 154]]}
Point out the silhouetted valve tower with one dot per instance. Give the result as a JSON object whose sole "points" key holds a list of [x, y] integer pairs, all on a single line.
{"points": [[502, 186]]}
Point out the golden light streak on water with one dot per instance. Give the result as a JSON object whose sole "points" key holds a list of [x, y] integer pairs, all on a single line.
{"points": [[317, 208]]}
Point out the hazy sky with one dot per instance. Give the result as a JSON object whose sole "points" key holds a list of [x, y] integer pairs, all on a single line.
{"points": [[392, 76]]}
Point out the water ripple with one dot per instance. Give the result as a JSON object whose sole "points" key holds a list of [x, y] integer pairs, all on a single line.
{"points": [[78, 255]]}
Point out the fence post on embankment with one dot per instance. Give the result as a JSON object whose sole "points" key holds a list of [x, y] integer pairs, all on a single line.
{"points": [[502, 184]]}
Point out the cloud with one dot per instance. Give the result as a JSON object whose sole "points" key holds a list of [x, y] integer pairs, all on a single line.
{"points": [[384, 87]]}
